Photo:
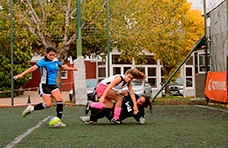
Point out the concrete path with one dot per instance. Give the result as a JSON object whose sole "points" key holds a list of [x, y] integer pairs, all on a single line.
{"points": [[23, 99]]}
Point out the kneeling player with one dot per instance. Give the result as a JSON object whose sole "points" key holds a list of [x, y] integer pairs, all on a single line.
{"points": [[127, 110]]}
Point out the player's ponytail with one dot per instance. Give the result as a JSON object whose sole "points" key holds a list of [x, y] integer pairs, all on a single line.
{"points": [[136, 73], [147, 103]]}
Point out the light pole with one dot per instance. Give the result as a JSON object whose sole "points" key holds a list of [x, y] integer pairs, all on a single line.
{"points": [[107, 15], [11, 40], [79, 41]]}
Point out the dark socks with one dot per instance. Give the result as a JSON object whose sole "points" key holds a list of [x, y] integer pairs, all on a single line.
{"points": [[40, 106], [59, 109]]}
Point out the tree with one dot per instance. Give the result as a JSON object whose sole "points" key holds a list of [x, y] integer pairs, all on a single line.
{"points": [[53, 22], [183, 29], [172, 31], [22, 52], [167, 28]]}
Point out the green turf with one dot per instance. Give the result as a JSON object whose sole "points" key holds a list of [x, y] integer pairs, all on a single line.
{"points": [[169, 126]]}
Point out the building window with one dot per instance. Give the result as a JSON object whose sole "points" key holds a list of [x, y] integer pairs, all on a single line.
{"points": [[152, 74], [101, 63], [142, 69], [150, 60], [126, 68], [115, 60], [102, 72], [196, 63], [189, 77], [200, 63], [190, 61], [64, 74], [116, 70], [162, 76]]}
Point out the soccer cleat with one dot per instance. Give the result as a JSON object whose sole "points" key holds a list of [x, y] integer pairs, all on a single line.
{"points": [[62, 124], [85, 118], [27, 111], [141, 120], [88, 107], [117, 121]]}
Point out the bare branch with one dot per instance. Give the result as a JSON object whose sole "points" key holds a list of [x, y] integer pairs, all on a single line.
{"points": [[42, 8], [100, 11], [60, 6], [72, 39], [74, 11], [33, 11], [31, 30], [40, 36]]}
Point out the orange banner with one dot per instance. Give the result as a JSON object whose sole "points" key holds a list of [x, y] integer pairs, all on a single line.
{"points": [[216, 86]]}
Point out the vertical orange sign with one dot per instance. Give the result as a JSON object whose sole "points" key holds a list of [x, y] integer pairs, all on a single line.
{"points": [[216, 86]]}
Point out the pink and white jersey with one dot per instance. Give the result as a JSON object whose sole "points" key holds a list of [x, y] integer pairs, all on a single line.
{"points": [[108, 80]]}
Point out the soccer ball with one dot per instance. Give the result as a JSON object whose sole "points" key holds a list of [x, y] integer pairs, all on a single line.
{"points": [[54, 122]]}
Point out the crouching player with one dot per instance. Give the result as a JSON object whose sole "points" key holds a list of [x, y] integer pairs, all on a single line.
{"points": [[127, 110]]}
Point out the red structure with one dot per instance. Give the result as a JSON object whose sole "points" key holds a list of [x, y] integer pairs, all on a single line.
{"points": [[90, 69]]}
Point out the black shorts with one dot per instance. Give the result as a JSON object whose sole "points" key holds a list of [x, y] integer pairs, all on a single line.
{"points": [[47, 89]]}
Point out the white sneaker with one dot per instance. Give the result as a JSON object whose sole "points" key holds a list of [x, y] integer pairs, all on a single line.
{"points": [[28, 110], [62, 124], [85, 118]]}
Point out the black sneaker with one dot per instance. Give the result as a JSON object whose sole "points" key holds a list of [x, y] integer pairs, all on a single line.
{"points": [[88, 107], [117, 121]]}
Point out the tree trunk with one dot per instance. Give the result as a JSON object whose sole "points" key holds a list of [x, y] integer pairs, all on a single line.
{"points": [[167, 90], [167, 85]]}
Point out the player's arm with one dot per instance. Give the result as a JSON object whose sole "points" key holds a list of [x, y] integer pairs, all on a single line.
{"points": [[140, 117], [31, 69], [65, 67], [133, 99], [120, 92]]}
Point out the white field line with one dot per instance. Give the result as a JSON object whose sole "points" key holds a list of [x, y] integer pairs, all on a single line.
{"points": [[19, 138], [212, 108]]}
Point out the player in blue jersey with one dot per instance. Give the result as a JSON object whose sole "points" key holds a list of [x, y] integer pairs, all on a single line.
{"points": [[127, 110], [49, 67]]}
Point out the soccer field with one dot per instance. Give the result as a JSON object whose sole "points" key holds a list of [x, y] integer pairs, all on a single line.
{"points": [[169, 126]]}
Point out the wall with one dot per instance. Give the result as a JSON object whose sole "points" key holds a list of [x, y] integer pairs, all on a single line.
{"points": [[90, 69], [200, 85], [67, 84], [33, 83], [218, 36]]}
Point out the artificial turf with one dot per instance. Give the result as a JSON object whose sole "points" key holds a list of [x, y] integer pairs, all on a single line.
{"points": [[168, 126]]}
